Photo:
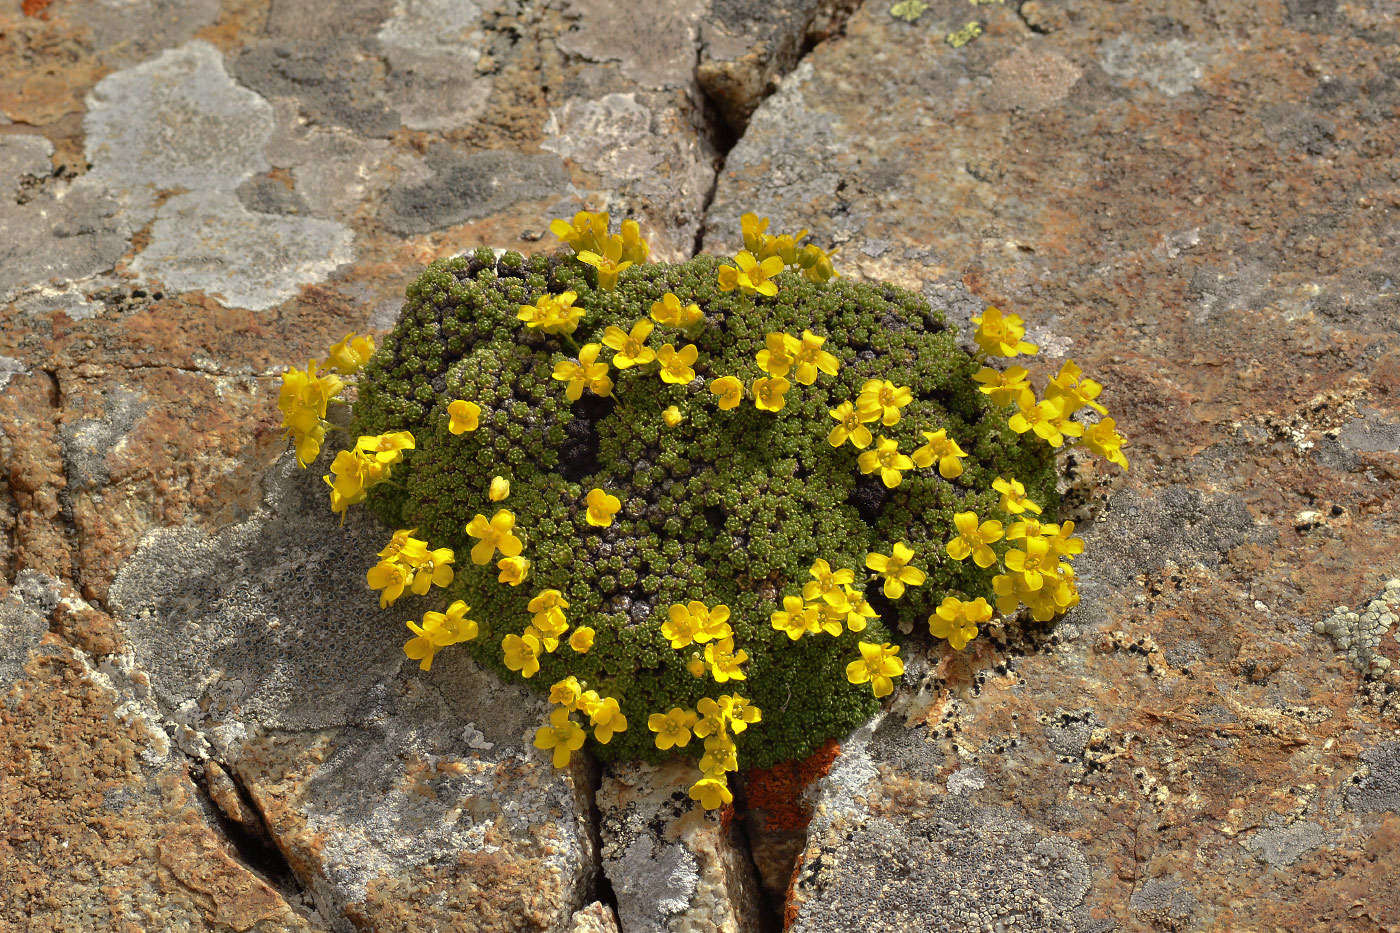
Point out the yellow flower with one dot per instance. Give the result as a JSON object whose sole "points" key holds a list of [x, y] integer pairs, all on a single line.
{"points": [[710, 624], [355, 472], [563, 735], [1006, 388], [816, 264], [385, 448], [672, 416], [513, 570], [974, 539], [456, 623], [1013, 497], [895, 570], [634, 249], [391, 579], [434, 570], [1000, 334], [720, 755], [753, 226], [1032, 562], [500, 489], [1075, 391], [877, 666], [553, 314], [848, 427], [680, 626], [826, 583], [1029, 528], [861, 611], [669, 311], [548, 608], [423, 646], [632, 349], [777, 356], [566, 692], [351, 354], [607, 720], [887, 459], [339, 504], [880, 400], [724, 661], [589, 702], [711, 793], [1047, 419], [672, 729], [711, 718], [1103, 440], [729, 390], [602, 507], [957, 621], [770, 393], [695, 666], [1060, 541], [584, 373], [522, 653], [587, 232], [608, 261], [829, 618], [739, 712], [784, 246], [499, 532], [463, 416], [676, 365], [439, 629], [582, 639], [303, 400], [405, 548], [942, 448], [809, 358], [308, 444], [751, 276]]}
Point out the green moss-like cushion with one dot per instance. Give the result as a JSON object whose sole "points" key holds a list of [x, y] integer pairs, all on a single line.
{"points": [[728, 507]]}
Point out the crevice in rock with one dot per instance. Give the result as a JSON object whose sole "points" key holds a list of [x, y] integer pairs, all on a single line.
{"points": [[600, 887], [54, 396], [244, 826], [770, 913]]}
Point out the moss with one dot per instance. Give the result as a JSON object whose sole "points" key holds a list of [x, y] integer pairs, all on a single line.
{"points": [[727, 507]]}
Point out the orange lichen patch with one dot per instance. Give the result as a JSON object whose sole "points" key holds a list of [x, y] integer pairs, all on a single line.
{"points": [[39, 8], [777, 791]]}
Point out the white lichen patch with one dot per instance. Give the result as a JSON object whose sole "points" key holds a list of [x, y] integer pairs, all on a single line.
{"points": [[1359, 634]]}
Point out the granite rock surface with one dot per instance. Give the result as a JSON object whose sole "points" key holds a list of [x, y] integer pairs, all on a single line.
{"points": [[207, 722]]}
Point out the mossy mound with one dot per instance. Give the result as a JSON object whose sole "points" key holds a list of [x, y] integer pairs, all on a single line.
{"points": [[728, 507]]}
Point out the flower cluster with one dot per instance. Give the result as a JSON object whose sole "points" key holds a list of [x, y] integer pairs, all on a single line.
{"points": [[437, 631], [715, 721], [610, 255], [563, 734], [829, 603], [408, 563]]}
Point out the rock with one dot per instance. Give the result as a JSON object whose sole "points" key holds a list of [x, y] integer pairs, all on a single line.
{"points": [[595, 918], [1182, 751], [673, 866]]}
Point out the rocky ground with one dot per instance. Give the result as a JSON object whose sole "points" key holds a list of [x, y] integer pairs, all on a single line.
{"points": [[206, 722]]}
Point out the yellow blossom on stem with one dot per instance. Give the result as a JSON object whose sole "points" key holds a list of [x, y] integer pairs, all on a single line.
{"points": [[522, 653], [738, 712], [463, 416], [634, 249], [1103, 440], [351, 354], [588, 231], [778, 354], [848, 427], [563, 735], [1029, 527], [631, 348], [957, 621], [670, 312], [499, 532], [829, 618], [582, 639], [887, 460], [303, 400], [455, 622], [1033, 562], [1047, 419], [1074, 390], [548, 608], [439, 629], [405, 548], [499, 490], [724, 661], [1013, 497], [770, 393], [696, 665], [355, 472], [711, 624], [861, 612], [677, 365], [1061, 542], [809, 358], [671, 416], [816, 264], [607, 719], [602, 506], [711, 718], [878, 665], [753, 228], [1009, 387], [711, 792], [720, 755], [1000, 334], [422, 646], [795, 619], [584, 373], [974, 539], [391, 579], [826, 583], [751, 276], [434, 570], [880, 400], [895, 570], [386, 448], [308, 444], [672, 729], [940, 449], [553, 314], [513, 570], [729, 390], [608, 261], [680, 626], [566, 692]]}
